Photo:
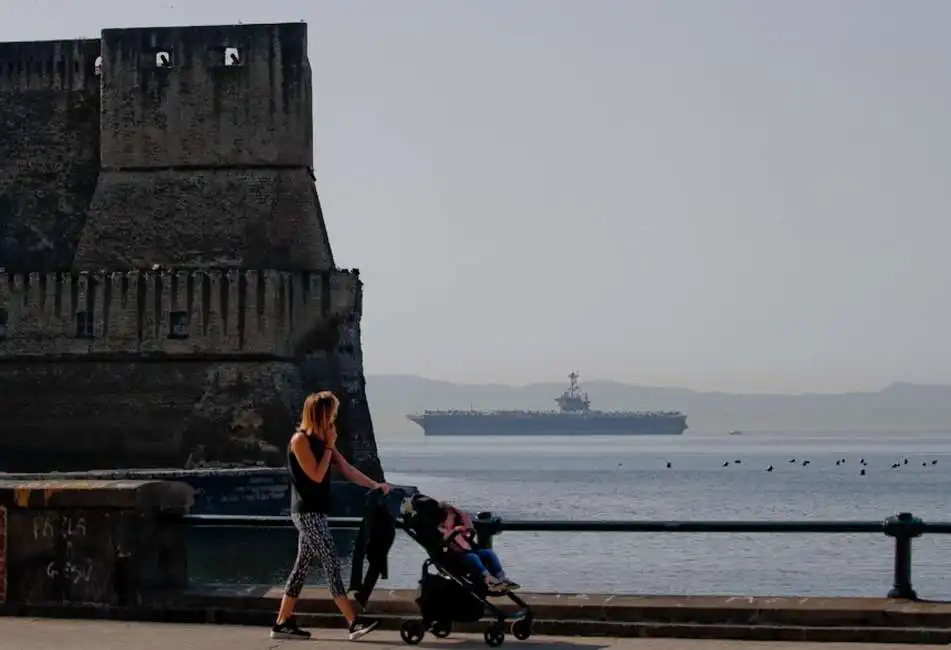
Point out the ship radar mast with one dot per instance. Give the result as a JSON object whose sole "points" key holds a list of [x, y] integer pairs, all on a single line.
{"points": [[573, 400]]}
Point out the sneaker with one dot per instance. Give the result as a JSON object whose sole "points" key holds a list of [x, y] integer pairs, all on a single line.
{"points": [[289, 630], [362, 626], [494, 584], [511, 585]]}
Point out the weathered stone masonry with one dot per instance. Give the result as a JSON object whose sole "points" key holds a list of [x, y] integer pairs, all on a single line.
{"points": [[167, 285]]}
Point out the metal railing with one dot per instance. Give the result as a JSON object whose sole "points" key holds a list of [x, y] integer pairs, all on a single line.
{"points": [[903, 528]]}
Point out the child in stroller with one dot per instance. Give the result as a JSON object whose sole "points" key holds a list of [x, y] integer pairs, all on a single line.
{"points": [[458, 591], [458, 532]]}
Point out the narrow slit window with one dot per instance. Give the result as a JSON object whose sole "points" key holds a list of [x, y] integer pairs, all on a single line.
{"points": [[97, 66], [84, 325], [178, 325], [3, 324]]}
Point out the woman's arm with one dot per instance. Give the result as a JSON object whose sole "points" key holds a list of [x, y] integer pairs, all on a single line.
{"points": [[316, 471], [354, 475]]}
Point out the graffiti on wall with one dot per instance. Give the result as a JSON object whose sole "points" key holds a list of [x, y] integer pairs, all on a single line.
{"points": [[75, 566], [3, 554]]}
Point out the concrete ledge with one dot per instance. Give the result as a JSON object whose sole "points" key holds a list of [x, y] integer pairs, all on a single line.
{"points": [[547, 627], [709, 610], [96, 494], [697, 617]]}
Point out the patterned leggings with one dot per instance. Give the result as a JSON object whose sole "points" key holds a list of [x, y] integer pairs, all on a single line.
{"points": [[315, 542]]}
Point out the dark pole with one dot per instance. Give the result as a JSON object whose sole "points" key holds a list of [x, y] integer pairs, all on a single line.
{"points": [[487, 526], [904, 527]]}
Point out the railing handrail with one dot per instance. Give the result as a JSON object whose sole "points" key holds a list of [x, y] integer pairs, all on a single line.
{"points": [[903, 527], [598, 525]]}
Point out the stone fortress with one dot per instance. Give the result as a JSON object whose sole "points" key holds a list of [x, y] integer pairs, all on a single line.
{"points": [[168, 293]]}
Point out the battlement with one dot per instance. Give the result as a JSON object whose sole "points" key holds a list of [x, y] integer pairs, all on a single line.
{"points": [[187, 312], [49, 66]]}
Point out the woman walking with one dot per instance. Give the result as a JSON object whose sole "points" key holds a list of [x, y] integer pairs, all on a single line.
{"points": [[311, 452]]}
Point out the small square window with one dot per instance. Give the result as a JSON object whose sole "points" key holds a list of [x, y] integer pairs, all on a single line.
{"points": [[84, 325], [232, 57], [3, 324], [163, 59], [178, 325]]}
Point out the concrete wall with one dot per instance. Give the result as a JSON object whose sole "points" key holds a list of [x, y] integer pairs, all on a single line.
{"points": [[49, 150], [92, 542]]}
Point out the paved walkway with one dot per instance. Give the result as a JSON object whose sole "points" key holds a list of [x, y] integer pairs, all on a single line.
{"points": [[52, 634]]}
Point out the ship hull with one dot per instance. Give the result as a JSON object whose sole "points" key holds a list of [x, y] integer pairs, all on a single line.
{"points": [[477, 424]]}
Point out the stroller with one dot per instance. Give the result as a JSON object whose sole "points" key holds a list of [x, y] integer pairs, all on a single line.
{"points": [[449, 591]]}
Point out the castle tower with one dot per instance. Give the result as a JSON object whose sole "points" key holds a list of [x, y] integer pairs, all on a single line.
{"points": [[206, 148], [186, 300]]}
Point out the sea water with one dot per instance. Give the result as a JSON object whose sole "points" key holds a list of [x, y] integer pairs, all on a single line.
{"points": [[628, 478]]}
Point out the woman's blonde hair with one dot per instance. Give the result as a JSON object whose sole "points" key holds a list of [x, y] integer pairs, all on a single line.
{"points": [[319, 413]]}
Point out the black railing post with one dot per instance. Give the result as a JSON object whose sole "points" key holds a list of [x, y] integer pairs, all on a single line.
{"points": [[904, 527], [486, 526]]}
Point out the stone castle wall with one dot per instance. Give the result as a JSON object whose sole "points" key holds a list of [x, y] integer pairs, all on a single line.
{"points": [[49, 150], [206, 159], [167, 285], [257, 218], [228, 312], [200, 109], [176, 366]]}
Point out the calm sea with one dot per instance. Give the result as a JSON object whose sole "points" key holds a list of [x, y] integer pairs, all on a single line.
{"points": [[591, 478]]}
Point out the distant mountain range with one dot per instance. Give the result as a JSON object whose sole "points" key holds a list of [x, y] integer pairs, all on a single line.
{"points": [[899, 407]]}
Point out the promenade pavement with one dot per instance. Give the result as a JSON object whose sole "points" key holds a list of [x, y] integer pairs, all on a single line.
{"points": [[53, 634]]}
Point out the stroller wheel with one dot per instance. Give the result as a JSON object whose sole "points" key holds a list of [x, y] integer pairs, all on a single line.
{"points": [[522, 628], [494, 636], [441, 629], [412, 631]]}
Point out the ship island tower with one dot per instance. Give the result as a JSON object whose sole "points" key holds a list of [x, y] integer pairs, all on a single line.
{"points": [[168, 293]]}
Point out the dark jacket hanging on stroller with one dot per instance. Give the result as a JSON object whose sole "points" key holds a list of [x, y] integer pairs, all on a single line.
{"points": [[374, 540]]}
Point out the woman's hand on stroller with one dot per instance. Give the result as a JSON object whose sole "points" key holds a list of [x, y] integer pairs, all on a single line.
{"points": [[385, 487]]}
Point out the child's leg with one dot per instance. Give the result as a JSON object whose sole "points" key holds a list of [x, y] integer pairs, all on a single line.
{"points": [[476, 563], [490, 560]]}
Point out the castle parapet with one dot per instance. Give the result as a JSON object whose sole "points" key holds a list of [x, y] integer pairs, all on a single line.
{"points": [[49, 66], [176, 312]]}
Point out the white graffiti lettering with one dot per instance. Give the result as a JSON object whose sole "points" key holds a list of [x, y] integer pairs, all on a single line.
{"points": [[44, 527], [80, 571]]}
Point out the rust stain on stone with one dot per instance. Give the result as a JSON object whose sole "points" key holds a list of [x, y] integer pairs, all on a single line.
{"points": [[22, 497]]}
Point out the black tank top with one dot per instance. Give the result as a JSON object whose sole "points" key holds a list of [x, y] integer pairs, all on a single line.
{"points": [[308, 495]]}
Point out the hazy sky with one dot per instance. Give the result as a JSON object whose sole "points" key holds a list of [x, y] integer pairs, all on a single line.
{"points": [[730, 194]]}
